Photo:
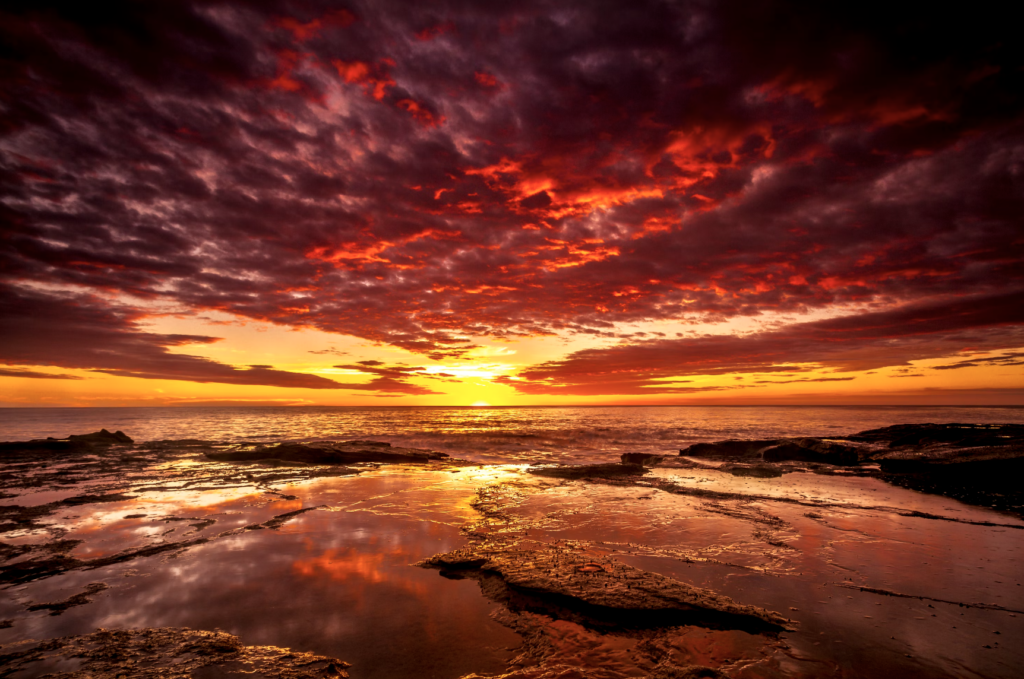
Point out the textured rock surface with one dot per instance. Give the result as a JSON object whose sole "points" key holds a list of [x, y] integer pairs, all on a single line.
{"points": [[605, 590], [581, 471], [76, 443], [163, 653], [976, 463], [349, 452], [645, 459]]}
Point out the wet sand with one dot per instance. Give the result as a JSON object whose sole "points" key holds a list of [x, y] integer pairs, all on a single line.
{"points": [[866, 578]]}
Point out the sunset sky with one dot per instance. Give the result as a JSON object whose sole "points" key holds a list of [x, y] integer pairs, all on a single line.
{"points": [[458, 203]]}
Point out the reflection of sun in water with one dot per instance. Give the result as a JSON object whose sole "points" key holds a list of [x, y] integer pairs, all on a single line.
{"points": [[482, 403]]}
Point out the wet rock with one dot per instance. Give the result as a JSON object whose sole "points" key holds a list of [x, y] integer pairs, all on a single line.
{"points": [[975, 463], [777, 450], [757, 471], [324, 453], [814, 450], [597, 591], [955, 434], [80, 599], [730, 448], [165, 653], [581, 471], [645, 459], [686, 672], [76, 443], [101, 438]]}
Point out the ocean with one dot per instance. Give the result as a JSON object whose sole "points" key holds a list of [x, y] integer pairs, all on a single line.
{"points": [[490, 434]]}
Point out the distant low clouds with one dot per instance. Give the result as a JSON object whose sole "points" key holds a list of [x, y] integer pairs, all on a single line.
{"points": [[1008, 359], [76, 331], [330, 351], [422, 174], [858, 342], [35, 374]]}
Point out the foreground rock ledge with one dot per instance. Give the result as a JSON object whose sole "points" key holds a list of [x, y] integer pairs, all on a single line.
{"points": [[165, 653], [601, 591]]}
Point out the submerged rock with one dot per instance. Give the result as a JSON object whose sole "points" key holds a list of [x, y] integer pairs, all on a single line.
{"points": [[348, 452], [757, 471], [598, 591]]}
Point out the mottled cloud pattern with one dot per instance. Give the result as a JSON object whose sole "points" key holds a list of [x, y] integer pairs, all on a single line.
{"points": [[426, 174]]}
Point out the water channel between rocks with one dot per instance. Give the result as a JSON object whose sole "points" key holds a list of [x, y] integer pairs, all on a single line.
{"points": [[875, 583]]}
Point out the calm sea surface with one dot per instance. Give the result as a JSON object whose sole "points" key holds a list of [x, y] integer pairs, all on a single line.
{"points": [[504, 435]]}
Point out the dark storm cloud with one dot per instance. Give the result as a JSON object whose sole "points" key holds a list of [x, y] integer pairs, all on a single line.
{"points": [[420, 173]]}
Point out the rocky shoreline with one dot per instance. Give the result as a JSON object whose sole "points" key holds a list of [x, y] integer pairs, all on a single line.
{"points": [[544, 586]]}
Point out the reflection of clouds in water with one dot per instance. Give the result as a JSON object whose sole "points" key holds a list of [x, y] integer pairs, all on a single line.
{"points": [[335, 582]]}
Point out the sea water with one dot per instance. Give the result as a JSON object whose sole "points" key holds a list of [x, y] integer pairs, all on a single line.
{"points": [[493, 434]]}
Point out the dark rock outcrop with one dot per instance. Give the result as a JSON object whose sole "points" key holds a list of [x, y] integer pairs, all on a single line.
{"points": [[826, 451], [581, 471], [953, 434], [76, 443], [730, 448], [645, 459], [976, 463], [164, 653], [324, 453], [101, 438]]}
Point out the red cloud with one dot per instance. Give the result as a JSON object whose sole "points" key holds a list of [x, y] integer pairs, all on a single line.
{"points": [[303, 31], [629, 171]]}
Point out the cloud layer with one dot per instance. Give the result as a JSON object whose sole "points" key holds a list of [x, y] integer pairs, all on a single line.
{"points": [[421, 174]]}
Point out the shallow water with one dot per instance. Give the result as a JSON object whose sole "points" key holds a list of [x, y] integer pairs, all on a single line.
{"points": [[495, 435], [943, 597], [335, 581], [808, 560]]}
